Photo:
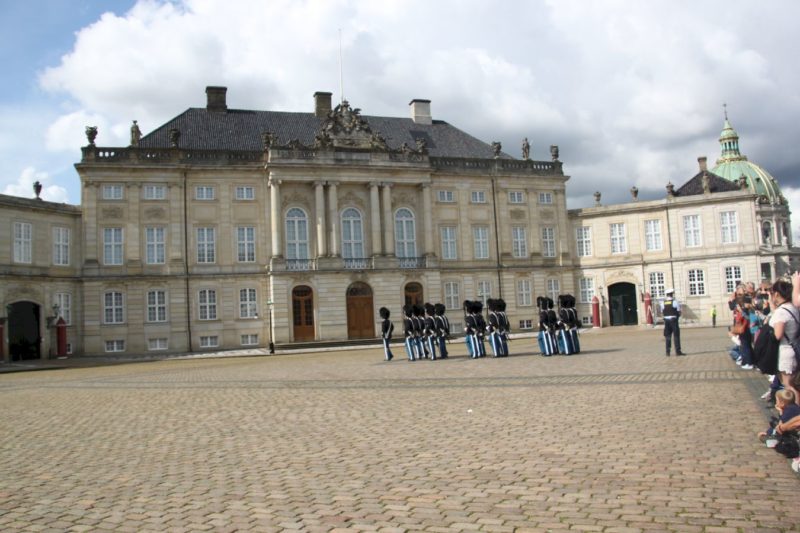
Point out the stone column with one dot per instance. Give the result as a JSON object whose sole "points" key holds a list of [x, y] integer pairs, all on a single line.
{"points": [[333, 219], [319, 216], [375, 218], [427, 219], [275, 217], [388, 219]]}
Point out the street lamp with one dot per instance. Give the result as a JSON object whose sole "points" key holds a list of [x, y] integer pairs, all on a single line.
{"points": [[271, 321]]}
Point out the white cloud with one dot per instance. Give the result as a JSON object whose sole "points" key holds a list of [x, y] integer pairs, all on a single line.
{"points": [[24, 187]]}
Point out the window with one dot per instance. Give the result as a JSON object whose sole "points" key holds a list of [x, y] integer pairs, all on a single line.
{"points": [[112, 246], [730, 227], [619, 244], [352, 234], [697, 282], [155, 245], [548, 242], [115, 346], [112, 192], [22, 242], [249, 340], [449, 246], [691, 230], [733, 277], [516, 197], [296, 234], [113, 308], [445, 196], [583, 235], [207, 300], [586, 320], [524, 298], [553, 289], [652, 235], [452, 295], [61, 238], [156, 306], [206, 245], [247, 303], [484, 291], [246, 244], [204, 192], [64, 302], [526, 324], [586, 286], [545, 198], [480, 237], [245, 193], [478, 197], [519, 241], [157, 344], [766, 232], [209, 341], [405, 233], [155, 192], [656, 284]]}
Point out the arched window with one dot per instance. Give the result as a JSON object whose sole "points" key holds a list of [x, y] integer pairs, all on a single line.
{"points": [[296, 234], [766, 232], [405, 233], [352, 234]]}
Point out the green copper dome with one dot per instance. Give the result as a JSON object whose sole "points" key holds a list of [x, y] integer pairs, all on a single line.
{"points": [[732, 165]]}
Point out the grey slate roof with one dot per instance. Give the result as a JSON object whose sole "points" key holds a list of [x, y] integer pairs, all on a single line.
{"points": [[715, 183], [237, 129]]}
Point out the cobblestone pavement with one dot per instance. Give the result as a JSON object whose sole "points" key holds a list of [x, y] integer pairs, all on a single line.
{"points": [[616, 439]]}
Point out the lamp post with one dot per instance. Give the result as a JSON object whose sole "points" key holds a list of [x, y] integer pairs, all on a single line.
{"points": [[271, 321]]}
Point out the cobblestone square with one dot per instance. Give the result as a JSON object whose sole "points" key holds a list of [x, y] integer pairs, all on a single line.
{"points": [[616, 439]]}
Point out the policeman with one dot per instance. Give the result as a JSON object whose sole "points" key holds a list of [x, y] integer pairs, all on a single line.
{"points": [[671, 311]]}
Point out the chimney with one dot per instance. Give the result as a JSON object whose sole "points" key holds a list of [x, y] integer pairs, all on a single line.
{"points": [[322, 104], [421, 111], [215, 98], [702, 162]]}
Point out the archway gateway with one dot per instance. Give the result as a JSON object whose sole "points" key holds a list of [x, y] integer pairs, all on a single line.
{"points": [[360, 314], [24, 326]]}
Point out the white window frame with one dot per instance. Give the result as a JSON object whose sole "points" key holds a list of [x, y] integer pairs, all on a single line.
{"points": [[207, 304], [113, 307], [246, 244], [23, 242], [61, 242], [245, 193], [115, 346], [352, 234], [296, 227], [480, 242], [729, 227], [206, 245], [64, 302], [692, 233], [733, 277], [524, 293], [445, 196], [586, 290], [157, 344], [449, 235], [113, 246], [209, 341], [452, 295], [405, 233], [113, 192], [546, 198], [477, 197], [583, 238], [249, 339], [548, 241], [519, 242], [155, 245], [483, 291], [154, 192], [553, 288], [516, 197], [697, 282], [619, 240], [204, 192], [526, 323], [156, 305], [657, 284], [248, 303], [652, 235]]}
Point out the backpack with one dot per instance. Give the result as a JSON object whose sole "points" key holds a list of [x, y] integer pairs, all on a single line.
{"points": [[765, 350]]}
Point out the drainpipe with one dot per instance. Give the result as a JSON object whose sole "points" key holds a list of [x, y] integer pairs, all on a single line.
{"points": [[186, 260], [496, 235]]}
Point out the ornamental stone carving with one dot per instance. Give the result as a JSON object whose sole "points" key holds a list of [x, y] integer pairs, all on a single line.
{"points": [[518, 214], [112, 212], [294, 198], [352, 199], [174, 137], [91, 134], [154, 212]]}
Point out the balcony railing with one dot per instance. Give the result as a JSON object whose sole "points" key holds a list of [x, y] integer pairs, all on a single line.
{"points": [[300, 264], [358, 263], [411, 262]]}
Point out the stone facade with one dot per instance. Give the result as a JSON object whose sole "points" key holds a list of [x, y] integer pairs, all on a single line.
{"points": [[242, 236]]}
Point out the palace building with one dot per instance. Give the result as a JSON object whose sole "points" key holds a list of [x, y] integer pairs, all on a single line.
{"points": [[228, 228]]}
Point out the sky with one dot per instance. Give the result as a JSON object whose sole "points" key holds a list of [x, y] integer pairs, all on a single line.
{"points": [[631, 91]]}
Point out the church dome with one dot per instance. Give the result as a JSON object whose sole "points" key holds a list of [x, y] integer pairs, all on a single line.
{"points": [[733, 165]]}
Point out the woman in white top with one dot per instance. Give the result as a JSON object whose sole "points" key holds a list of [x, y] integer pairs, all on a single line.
{"points": [[785, 320]]}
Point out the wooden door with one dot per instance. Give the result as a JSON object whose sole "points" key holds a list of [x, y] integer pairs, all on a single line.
{"points": [[303, 313], [360, 316], [413, 294]]}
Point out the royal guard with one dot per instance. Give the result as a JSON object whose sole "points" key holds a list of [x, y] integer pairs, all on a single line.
{"points": [[418, 322], [505, 326], [480, 329], [408, 332], [430, 331], [469, 327], [494, 327], [547, 344], [563, 334], [575, 324], [386, 332], [442, 328]]}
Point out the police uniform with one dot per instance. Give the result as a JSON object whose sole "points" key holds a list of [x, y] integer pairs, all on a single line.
{"points": [[671, 311]]}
